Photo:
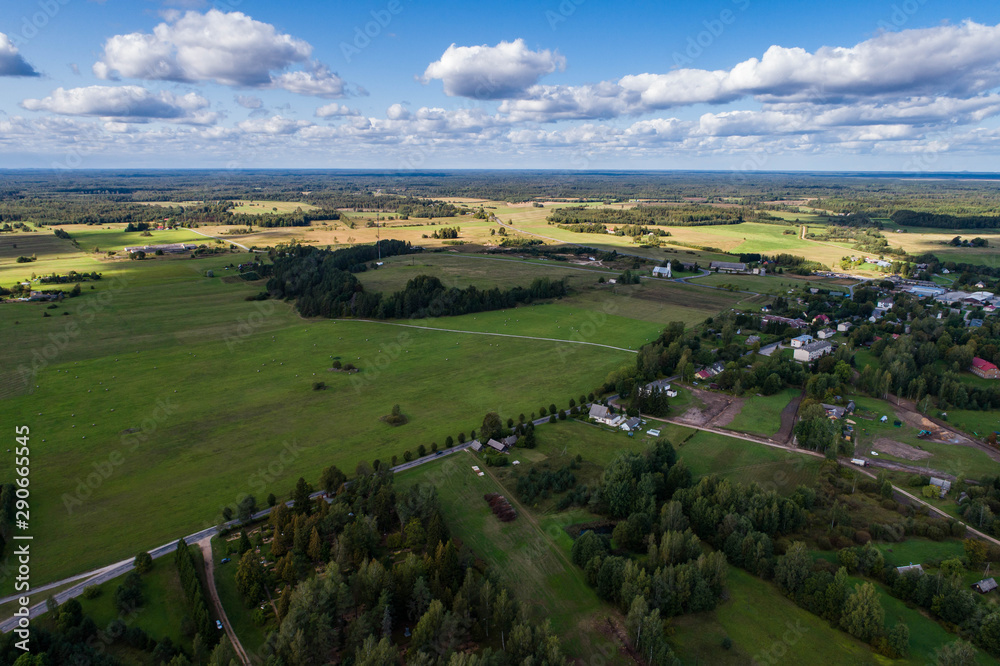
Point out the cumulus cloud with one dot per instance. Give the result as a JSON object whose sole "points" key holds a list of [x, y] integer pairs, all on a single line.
{"points": [[958, 61], [275, 125], [12, 63], [125, 103], [492, 72], [249, 101], [227, 48], [333, 110]]}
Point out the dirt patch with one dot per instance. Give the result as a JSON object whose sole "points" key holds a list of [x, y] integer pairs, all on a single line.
{"points": [[784, 434], [938, 434], [718, 410], [899, 449]]}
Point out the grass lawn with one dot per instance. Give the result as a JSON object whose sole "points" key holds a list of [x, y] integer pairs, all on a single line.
{"points": [[160, 613], [916, 551], [761, 415], [746, 462], [765, 627], [532, 559], [251, 636], [767, 284], [217, 392]]}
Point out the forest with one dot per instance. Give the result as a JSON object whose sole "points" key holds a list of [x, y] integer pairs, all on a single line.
{"points": [[322, 284]]}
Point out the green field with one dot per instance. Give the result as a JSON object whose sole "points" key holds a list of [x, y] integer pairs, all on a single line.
{"points": [[765, 627], [219, 393], [761, 415], [164, 604], [766, 284], [739, 460]]}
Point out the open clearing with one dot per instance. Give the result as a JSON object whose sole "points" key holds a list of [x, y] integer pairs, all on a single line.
{"points": [[762, 415]]}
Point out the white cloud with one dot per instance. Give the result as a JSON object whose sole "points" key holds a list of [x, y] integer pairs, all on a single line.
{"points": [[227, 48], [249, 101], [492, 72], [275, 125], [397, 112], [945, 61], [125, 103], [12, 63], [333, 109]]}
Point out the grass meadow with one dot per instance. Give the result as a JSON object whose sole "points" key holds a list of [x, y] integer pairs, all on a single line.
{"points": [[761, 415], [165, 396]]}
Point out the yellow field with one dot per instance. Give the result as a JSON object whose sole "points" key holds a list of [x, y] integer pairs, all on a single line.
{"points": [[253, 207]]}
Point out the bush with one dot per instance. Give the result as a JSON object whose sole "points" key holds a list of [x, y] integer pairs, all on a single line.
{"points": [[727, 643], [319, 386], [91, 592], [143, 562]]}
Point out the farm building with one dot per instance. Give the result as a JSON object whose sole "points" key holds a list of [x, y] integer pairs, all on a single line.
{"points": [[985, 585], [944, 485], [631, 424], [476, 445], [984, 369], [919, 570], [728, 266], [921, 291], [499, 446], [167, 248], [653, 433], [801, 341], [812, 351], [752, 339]]}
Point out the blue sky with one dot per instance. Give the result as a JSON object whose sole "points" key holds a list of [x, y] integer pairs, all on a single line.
{"points": [[908, 85]]}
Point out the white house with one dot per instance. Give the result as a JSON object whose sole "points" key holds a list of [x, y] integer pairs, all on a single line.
{"points": [[631, 424], [801, 341], [826, 333], [844, 326], [812, 351], [602, 414]]}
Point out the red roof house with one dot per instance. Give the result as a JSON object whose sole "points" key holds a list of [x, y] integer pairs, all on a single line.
{"points": [[984, 369]]}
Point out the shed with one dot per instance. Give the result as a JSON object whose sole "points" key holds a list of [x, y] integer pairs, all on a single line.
{"points": [[914, 568], [985, 585]]}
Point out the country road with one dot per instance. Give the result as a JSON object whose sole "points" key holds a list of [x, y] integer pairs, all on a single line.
{"points": [[213, 593], [768, 442], [502, 335]]}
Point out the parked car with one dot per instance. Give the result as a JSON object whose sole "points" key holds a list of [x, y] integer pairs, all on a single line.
{"points": [[218, 625], [224, 560]]}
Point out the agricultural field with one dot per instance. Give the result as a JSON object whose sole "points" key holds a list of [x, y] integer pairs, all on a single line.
{"points": [[254, 207], [767, 284], [129, 396], [743, 461]]}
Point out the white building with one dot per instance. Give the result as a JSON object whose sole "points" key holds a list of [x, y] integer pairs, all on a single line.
{"points": [[801, 341], [602, 414], [812, 351]]}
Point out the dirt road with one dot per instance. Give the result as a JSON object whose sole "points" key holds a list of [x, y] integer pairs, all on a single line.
{"points": [[784, 434], [220, 612]]}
